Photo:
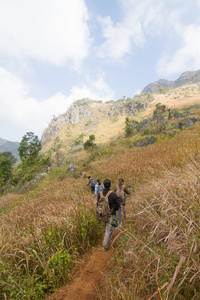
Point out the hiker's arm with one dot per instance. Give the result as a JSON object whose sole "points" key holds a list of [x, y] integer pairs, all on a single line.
{"points": [[127, 190], [89, 182], [117, 203], [95, 190]]}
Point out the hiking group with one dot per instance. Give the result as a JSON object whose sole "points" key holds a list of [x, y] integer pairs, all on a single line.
{"points": [[108, 203]]}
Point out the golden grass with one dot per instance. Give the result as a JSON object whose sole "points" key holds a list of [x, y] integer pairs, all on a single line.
{"points": [[58, 220], [43, 236], [157, 252]]}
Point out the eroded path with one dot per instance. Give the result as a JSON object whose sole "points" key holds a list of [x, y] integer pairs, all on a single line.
{"points": [[90, 273]]}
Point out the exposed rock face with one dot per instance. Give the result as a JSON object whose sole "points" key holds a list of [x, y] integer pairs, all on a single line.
{"points": [[146, 141], [78, 112], [186, 77], [72, 116]]}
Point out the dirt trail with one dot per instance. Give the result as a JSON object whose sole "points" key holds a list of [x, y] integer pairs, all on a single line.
{"points": [[91, 270], [83, 285]]}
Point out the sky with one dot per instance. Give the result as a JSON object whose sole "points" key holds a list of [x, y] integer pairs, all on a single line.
{"points": [[54, 52]]}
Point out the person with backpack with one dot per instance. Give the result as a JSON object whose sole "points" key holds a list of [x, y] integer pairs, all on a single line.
{"points": [[121, 190], [107, 205], [92, 183], [98, 187]]}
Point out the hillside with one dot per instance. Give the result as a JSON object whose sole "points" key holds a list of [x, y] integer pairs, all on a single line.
{"points": [[185, 78], [61, 139], [50, 238], [46, 233]]}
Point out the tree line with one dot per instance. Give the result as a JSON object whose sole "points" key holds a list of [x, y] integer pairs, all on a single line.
{"points": [[30, 162]]}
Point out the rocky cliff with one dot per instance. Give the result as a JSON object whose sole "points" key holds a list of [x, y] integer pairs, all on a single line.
{"points": [[91, 113], [185, 78], [70, 117]]}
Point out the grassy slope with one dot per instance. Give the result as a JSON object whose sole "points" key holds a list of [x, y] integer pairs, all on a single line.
{"points": [[162, 225]]}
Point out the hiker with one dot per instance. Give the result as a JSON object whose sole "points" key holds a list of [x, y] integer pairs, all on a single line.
{"points": [[92, 183], [98, 187], [121, 190], [113, 206]]}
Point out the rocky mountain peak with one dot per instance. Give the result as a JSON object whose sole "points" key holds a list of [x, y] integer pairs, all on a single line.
{"points": [[186, 77]]}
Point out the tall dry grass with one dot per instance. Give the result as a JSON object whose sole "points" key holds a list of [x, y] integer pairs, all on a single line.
{"points": [[43, 237], [157, 252], [44, 233]]}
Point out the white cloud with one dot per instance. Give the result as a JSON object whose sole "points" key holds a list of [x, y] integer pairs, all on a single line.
{"points": [[187, 57], [50, 31], [95, 89], [140, 18], [20, 113], [119, 38], [141, 21]]}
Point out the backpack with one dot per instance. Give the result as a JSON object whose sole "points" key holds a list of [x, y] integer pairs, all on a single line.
{"points": [[100, 188], [92, 182], [103, 209], [120, 193]]}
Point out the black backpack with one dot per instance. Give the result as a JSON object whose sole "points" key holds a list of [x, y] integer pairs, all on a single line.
{"points": [[103, 209]]}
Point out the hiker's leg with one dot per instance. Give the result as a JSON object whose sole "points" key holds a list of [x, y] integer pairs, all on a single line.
{"points": [[119, 212], [124, 209], [107, 236]]}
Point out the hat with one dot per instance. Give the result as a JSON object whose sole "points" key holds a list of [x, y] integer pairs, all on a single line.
{"points": [[98, 180]]}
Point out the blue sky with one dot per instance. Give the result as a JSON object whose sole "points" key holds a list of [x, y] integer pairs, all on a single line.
{"points": [[53, 52]]}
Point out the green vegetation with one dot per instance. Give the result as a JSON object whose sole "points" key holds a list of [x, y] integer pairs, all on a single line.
{"points": [[161, 89], [16, 177], [46, 249], [129, 126], [29, 149], [90, 145], [86, 101], [79, 139], [45, 232]]}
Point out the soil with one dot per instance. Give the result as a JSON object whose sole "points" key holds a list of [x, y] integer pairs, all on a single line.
{"points": [[83, 286], [91, 271]]}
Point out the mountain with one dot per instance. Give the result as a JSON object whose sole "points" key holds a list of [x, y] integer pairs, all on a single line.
{"points": [[66, 134], [185, 78], [7, 146]]}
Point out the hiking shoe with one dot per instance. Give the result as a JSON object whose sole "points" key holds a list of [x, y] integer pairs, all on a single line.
{"points": [[104, 249]]}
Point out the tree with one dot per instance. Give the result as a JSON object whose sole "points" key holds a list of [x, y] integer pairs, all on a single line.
{"points": [[9, 156], [5, 170], [159, 110], [129, 130], [29, 148], [89, 144]]}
